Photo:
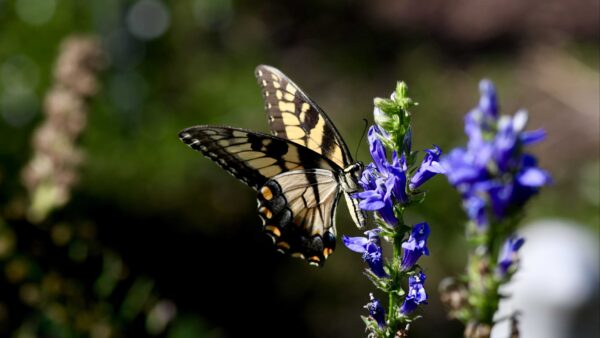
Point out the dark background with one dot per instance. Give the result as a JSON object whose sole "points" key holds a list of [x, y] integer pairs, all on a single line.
{"points": [[166, 228]]}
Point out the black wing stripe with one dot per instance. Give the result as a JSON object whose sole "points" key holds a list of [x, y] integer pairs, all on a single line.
{"points": [[249, 156]]}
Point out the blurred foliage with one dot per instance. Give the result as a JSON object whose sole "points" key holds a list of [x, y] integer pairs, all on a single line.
{"points": [[150, 229]]}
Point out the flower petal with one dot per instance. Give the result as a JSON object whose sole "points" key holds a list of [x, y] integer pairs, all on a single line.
{"points": [[534, 177], [356, 244], [532, 137]]}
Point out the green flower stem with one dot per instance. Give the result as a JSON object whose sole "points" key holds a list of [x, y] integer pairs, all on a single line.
{"points": [[395, 288], [482, 281], [399, 233], [483, 284]]}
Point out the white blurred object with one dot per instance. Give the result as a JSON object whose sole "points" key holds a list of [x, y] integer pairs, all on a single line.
{"points": [[557, 288]]}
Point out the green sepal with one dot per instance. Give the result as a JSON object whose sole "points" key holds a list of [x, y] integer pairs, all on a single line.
{"points": [[411, 158], [387, 106], [380, 283], [373, 327], [417, 197]]}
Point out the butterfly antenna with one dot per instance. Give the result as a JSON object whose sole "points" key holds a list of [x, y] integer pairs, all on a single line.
{"points": [[362, 137]]}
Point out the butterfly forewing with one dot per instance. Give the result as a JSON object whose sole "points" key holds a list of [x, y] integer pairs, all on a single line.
{"points": [[294, 116], [249, 156], [298, 212]]}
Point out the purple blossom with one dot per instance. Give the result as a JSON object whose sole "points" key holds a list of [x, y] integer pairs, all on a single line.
{"points": [[415, 246], [508, 255], [376, 311], [464, 167], [493, 174], [370, 247], [429, 167], [383, 183], [529, 179], [416, 294]]}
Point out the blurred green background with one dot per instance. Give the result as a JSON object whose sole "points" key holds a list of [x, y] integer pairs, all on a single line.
{"points": [[156, 240]]}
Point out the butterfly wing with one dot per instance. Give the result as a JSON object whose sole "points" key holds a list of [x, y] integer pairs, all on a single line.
{"points": [[298, 212], [249, 156], [294, 116], [298, 190]]}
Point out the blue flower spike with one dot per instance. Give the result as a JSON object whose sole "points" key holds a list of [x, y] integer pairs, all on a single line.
{"points": [[390, 185], [492, 172], [495, 176]]}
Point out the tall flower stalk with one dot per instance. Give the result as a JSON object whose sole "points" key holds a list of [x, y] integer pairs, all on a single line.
{"points": [[391, 184], [495, 178], [53, 169]]}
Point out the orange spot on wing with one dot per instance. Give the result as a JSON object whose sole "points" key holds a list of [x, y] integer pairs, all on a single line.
{"points": [[266, 193]]}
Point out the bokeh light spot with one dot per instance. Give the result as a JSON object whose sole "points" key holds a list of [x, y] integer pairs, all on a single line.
{"points": [[148, 19], [18, 108], [35, 12]]}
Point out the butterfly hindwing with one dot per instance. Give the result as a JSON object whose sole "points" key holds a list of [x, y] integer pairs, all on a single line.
{"points": [[298, 212], [294, 116], [250, 156]]}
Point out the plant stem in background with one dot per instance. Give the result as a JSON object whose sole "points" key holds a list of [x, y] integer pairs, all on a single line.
{"points": [[52, 171]]}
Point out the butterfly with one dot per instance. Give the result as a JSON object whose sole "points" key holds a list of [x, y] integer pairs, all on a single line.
{"points": [[299, 172]]}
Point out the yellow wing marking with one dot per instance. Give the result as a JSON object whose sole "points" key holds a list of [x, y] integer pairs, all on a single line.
{"points": [[287, 107], [294, 132], [290, 119]]}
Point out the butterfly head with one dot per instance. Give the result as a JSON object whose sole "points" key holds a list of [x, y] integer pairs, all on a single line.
{"points": [[351, 176], [349, 180]]}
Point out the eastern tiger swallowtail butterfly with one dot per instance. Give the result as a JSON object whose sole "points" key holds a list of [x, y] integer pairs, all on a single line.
{"points": [[299, 172]]}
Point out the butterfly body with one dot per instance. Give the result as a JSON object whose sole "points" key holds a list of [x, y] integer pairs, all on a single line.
{"points": [[299, 172]]}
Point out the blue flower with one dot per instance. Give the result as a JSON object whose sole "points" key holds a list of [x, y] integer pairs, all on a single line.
{"points": [[376, 311], [370, 247], [383, 183], [368, 178], [492, 173], [415, 246], [463, 167], [416, 294], [429, 168], [529, 179], [376, 147], [508, 255]]}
